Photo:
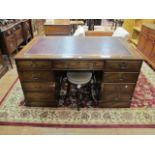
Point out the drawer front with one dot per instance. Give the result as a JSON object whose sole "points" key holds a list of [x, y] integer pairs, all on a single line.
{"points": [[32, 65], [122, 66], [124, 104], [88, 65], [117, 92], [39, 96], [36, 76], [42, 104], [38, 86], [118, 77]]}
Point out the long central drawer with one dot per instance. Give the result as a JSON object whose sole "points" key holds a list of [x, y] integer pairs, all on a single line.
{"points": [[78, 64]]}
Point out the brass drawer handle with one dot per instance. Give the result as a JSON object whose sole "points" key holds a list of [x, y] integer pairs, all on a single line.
{"points": [[123, 65], [121, 78], [35, 77], [126, 86], [52, 85]]}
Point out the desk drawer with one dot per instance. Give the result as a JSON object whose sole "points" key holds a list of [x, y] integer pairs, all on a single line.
{"points": [[122, 66], [117, 92], [84, 64], [119, 77], [39, 96], [32, 65], [36, 76], [39, 86]]}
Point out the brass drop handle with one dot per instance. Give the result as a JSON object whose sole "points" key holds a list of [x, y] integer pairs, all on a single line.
{"points": [[123, 65], [52, 85], [35, 77], [121, 78], [126, 86]]}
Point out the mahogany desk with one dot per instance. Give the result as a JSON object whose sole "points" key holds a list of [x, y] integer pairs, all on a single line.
{"points": [[116, 65]]}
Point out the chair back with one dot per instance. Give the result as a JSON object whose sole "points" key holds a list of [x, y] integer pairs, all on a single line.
{"points": [[80, 32], [121, 32]]}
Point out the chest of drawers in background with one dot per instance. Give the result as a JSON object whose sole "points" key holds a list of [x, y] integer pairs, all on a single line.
{"points": [[146, 43], [11, 37], [38, 80]]}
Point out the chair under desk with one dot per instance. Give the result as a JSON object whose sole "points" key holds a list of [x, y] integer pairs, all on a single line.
{"points": [[45, 59]]}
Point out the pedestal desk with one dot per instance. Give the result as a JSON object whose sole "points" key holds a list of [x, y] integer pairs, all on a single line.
{"points": [[44, 59]]}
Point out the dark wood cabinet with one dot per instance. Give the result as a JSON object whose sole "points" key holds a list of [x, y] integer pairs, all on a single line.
{"points": [[146, 43], [12, 36]]}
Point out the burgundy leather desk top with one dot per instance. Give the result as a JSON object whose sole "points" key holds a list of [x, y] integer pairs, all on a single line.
{"points": [[79, 47]]}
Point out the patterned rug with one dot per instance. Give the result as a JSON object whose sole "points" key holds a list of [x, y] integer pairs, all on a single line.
{"points": [[141, 114]]}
